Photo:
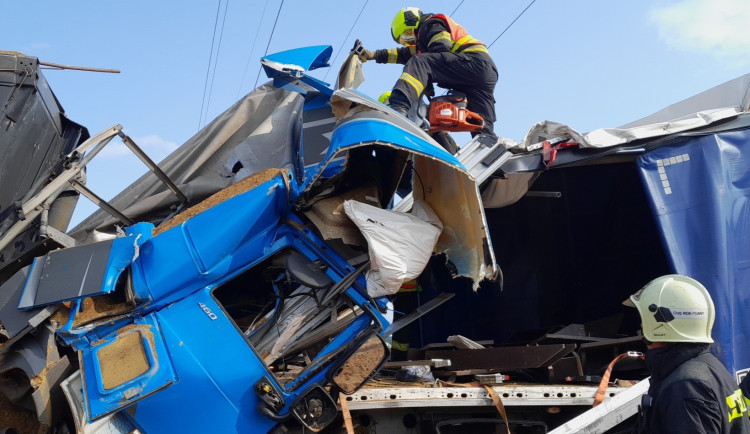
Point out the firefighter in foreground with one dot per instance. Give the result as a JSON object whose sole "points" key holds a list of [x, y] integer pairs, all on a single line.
{"points": [[690, 391], [439, 50]]}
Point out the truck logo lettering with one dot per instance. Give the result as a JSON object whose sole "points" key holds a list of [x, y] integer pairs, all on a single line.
{"points": [[208, 312]]}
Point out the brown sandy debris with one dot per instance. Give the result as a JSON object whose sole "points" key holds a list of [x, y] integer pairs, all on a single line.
{"points": [[124, 358], [20, 419], [233, 190], [98, 307]]}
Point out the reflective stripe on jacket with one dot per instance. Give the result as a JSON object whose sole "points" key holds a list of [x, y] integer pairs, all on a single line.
{"points": [[461, 41]]}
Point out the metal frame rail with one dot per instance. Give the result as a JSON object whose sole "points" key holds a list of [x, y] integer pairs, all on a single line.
{"points": [[69, 178], [620, 403], [512, 395]]}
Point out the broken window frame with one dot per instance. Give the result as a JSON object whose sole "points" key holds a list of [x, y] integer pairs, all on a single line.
{"points": [[339, 340]]}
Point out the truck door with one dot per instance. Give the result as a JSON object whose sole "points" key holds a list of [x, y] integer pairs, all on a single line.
{"points": [[125, 366]]}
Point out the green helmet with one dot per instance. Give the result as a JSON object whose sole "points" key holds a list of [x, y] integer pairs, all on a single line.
{"points": [[674, 308], [405, 19], [384, 97]]}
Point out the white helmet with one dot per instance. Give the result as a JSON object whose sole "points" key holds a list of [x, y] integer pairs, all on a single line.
{"points": [[674, 308]]}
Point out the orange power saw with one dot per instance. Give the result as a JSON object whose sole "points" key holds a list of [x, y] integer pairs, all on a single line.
{"points": [[449, 113]]}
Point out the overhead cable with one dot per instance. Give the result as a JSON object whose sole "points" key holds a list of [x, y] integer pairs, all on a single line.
{"points": [[270, 37], [216, 61], [346, 38], [459, 5], [252, 49], [208, 69], [511, 23]]}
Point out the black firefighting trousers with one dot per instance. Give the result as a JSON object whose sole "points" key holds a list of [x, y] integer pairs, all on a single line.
{"points": [[474, 74]]}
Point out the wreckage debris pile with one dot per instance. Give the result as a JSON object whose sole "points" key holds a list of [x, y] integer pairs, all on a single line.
{"points": [[22, 420]]}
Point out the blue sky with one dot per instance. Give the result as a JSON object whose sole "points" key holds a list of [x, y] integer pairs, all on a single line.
{"points": [[585, 63]]}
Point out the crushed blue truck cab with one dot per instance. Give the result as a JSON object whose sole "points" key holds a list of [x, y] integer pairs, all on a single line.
{"points": [[243, 314]]}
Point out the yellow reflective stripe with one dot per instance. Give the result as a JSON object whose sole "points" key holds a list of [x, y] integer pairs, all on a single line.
{"points": [[736, 403], [460, 42], [400, 346], [416, 84], [412, 49], [478, 48], [392, 55], [440, 36], [466, 40]]}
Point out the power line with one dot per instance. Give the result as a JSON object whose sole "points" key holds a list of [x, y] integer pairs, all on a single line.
{"points": [[459, 5], [269, 41], [216, 61], [208, 69], [511, 23], [252, 48], [346, 38]]}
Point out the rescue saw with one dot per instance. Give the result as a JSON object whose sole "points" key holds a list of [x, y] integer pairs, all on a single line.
{"points": [[449, 113]]}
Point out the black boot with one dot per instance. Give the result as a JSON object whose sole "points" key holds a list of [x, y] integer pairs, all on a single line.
{"points": [[400, 109]]}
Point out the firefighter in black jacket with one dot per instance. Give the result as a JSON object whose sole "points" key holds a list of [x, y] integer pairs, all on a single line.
{"points": [[690, 390], [438, 50]]}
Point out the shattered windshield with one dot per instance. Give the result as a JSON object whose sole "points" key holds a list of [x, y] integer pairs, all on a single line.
{"points": [[288, 309]]}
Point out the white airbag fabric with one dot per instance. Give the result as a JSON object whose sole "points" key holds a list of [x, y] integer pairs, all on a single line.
{"points": [[400, 244]]}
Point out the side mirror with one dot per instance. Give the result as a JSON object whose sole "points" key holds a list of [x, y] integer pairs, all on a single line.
{"points": [[361, 365]]}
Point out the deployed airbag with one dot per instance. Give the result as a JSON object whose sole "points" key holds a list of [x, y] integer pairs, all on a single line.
{"points": [[400, 244]]}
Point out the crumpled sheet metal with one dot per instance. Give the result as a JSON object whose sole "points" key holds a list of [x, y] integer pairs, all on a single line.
{"points": [[609, 137], [259, 131]]}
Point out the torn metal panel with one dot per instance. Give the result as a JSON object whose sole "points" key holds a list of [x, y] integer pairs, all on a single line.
{"points": [[350, 75], [13, 319], [47, 395], [454, 197], [67, 274], [264, 129], [82, 271], [609, 137], [348, 98], [202, 247], [439, 179]]}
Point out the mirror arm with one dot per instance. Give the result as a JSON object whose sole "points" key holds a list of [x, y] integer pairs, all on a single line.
{"points": [[265, 411]]}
